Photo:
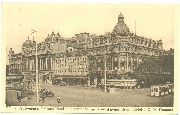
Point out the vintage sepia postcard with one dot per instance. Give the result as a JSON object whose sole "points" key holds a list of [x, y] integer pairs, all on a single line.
{"points": [[90, 58]]}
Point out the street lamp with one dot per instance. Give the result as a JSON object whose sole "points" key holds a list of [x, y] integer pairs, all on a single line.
{"points": [[37, 77], [37, 73]]}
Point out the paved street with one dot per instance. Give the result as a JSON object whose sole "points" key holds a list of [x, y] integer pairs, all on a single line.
{"points": [[92, 97]]}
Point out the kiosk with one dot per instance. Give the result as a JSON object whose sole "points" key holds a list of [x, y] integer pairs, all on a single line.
{"points": [[111, 89]]}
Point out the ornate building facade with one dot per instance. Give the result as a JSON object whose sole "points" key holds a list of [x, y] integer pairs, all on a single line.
{"points": [[123, 51], [15, 67], [83, 56]]}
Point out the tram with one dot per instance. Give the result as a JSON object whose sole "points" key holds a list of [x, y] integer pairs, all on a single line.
{"points": [[161, 90]]}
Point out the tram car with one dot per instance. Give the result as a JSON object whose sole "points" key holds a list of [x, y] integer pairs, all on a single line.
{"points": [[121, 83], [159, 90]]}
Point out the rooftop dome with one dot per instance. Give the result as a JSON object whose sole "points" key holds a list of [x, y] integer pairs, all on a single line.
{"points": [[121, 28]]}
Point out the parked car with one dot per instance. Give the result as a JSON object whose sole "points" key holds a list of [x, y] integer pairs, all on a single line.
{"points": [[62, 83], [31, 92], [47, 93], [56, 81], [10, 88]]}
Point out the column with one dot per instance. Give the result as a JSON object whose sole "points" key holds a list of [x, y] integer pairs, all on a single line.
{"points": [[127, 62], [40, 63], [54, 67], [26, 65], [53, 60], [112, 62], [21, 66], [119, 61], [132, 63], [137, 61], [51, 63], [32, 64], [35, 64], [46, 64]]}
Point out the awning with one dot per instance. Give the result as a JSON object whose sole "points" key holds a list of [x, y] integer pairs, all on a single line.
{"points": [[13, 77], [13, 74], [66, 76]]}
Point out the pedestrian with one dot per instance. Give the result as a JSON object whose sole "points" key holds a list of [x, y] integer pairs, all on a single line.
{"points": [[40, 96], [59, 99], [43, 97], [99, 86], [108, 89], [18, 96], [133, 87]]}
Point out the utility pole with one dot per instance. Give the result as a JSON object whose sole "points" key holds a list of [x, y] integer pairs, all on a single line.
{"points": [[37, 79], [105, 73], [37, 76]]}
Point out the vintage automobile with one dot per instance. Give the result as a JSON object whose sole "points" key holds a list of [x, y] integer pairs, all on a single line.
{"points": [[47, 93], [30, 92], [56, 81], [10, 88], [62, 83]]}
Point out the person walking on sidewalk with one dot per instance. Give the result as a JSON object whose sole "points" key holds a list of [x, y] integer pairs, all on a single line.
{"points": [[18, 96]]}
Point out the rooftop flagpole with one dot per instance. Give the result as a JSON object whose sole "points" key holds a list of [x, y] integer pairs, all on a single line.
{"points": [[135, 28], [105, 73]]}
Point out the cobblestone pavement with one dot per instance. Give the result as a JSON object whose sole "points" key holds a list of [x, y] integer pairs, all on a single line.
{"points": [[93, 97]]}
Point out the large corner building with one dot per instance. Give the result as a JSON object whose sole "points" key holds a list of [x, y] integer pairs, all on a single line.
{"points": [[81, 59]]}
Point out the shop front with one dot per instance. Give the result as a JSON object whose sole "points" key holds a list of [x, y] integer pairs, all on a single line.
{"points": [[70, 80]]}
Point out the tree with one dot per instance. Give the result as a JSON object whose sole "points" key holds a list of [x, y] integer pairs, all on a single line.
{"points": [[156, 70]]}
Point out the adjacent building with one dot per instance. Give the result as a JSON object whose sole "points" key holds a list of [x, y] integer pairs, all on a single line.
{"points": [[15, 67]]}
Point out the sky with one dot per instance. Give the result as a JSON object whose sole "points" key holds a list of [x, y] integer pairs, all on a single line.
{"points": [[154, 21]]}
